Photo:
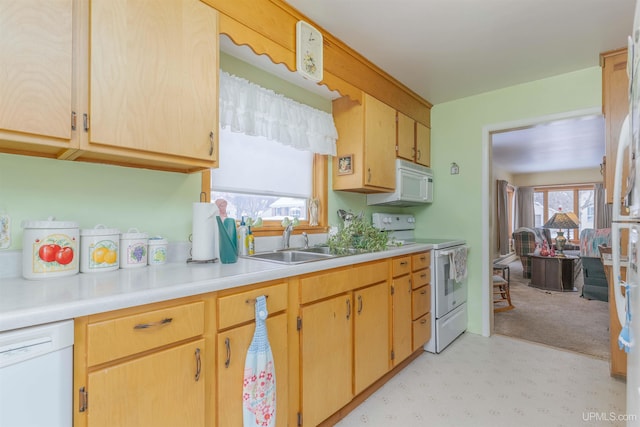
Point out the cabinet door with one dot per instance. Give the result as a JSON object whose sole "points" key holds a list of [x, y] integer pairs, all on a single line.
{"points": [[615, 106], [423, 144], [371, 335], [232, 351], [405, 137], [160, 389], [326, 357], [401, 315], [36, 83], [379, 144], [153, 80]]}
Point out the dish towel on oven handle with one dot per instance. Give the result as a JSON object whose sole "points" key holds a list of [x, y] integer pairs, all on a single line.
{"points": [[458, 263], [259, 385]]}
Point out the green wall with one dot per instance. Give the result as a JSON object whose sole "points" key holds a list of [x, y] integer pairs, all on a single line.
{"points": [[457, 136], [158, 203]]}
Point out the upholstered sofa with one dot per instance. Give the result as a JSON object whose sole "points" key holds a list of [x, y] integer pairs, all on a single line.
{"points": [[595, 281]]}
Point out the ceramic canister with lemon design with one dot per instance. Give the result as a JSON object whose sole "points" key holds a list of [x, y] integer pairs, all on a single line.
{"points": [[99, 249]]}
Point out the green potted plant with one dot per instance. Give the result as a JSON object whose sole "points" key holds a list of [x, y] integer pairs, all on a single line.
{"points": [[357, 235]]}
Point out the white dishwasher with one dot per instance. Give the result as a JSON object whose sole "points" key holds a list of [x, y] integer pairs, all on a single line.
{"points": [[36, 376]]}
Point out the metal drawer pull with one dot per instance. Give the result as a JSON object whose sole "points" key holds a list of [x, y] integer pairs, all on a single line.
{"points": [[423, 321], [211, 143], [423, 275], [404, 262], [164, 321], [227, 344], [253, 300], [348, 308], [423, 292], [198, 364], [359, 304]]}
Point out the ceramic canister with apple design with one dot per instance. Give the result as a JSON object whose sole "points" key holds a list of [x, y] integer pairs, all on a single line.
{"points": [[49, 248]]}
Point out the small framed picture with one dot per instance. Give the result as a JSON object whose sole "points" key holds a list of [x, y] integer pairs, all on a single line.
{"points": [[345, 164]]}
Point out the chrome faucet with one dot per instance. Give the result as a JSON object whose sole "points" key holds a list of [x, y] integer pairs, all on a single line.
{"points": [[286, 234], [306, 239]]}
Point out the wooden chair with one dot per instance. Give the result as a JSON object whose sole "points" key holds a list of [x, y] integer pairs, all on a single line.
{"points": [[501, 294]]}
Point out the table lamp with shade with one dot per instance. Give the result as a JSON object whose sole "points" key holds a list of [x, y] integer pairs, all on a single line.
{"points": [[562, 220]]}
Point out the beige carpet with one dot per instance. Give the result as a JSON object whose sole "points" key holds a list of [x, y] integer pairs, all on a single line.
{"points": [[558, 319]]}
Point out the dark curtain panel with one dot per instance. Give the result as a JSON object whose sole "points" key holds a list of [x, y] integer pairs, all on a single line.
{"points": [[503, 217], [524, 214], [602, 210]]}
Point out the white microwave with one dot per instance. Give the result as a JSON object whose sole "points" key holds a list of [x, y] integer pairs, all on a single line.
{"points": [[414, 186]]}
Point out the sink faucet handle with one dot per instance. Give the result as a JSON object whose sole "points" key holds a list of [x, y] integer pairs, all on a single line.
{"points": [[305, 236]]}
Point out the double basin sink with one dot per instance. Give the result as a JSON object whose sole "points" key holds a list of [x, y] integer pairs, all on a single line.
{"points": [[295, 256]]}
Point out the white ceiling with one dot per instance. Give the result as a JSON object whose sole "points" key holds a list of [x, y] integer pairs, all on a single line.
{"points": [[449, 49]]}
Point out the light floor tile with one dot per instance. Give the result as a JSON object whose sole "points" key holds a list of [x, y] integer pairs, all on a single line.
{"points": [[494, 382]]}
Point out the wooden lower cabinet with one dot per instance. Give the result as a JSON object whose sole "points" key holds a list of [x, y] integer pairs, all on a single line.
{"points": [[401, 318], [371, 335], [143, 366], [161, 389], [326, 357], [232, 350]]}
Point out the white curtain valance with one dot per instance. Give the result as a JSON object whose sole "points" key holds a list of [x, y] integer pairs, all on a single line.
{"points": [[248, 108]]}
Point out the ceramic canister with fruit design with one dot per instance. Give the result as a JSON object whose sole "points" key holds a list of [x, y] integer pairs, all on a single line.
{"points": [[49, 248], [133, 248], [99, 249], [157, 250]]}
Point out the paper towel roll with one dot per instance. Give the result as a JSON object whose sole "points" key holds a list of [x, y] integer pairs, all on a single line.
{"points": [[204, 239]]}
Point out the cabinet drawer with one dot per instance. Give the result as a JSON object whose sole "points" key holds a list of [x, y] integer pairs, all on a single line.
{"points": [[401, 266], [421, 301], [115, 338], [420, 261], [325, 285], [421, 331], [420, 278], [240, 308], [370, 273]]}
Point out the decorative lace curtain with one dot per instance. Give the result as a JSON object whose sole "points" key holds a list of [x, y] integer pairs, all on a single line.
{"points": [[248, 108]]}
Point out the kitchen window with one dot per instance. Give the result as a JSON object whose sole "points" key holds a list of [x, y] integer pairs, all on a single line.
{"points": [[272, 154]]}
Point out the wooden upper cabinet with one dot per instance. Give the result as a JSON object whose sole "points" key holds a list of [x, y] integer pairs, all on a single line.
{"points": [[615, 107], [423, 145], [36, 87], [413, 141], [406, 139], [153, 83], [367, 133]]}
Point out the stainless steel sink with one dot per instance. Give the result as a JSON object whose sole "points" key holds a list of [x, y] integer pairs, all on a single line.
{"points": [[293, 256]]}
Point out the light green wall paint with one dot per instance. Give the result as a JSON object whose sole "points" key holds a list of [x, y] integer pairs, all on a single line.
{"points": [[158, 203], [233, 65], [457, 135]]}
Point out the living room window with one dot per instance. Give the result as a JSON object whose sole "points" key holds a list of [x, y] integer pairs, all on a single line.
{"points": [[578, 199]]}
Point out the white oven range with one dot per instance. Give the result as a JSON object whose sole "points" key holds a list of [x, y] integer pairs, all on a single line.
{"points": [[448, 297]]}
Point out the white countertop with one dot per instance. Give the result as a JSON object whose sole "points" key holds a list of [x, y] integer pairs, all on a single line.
{"points": [[29, 302]]}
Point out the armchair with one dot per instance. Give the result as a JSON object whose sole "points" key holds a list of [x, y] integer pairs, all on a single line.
{"points": [[525, 241], [595, 282]]}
